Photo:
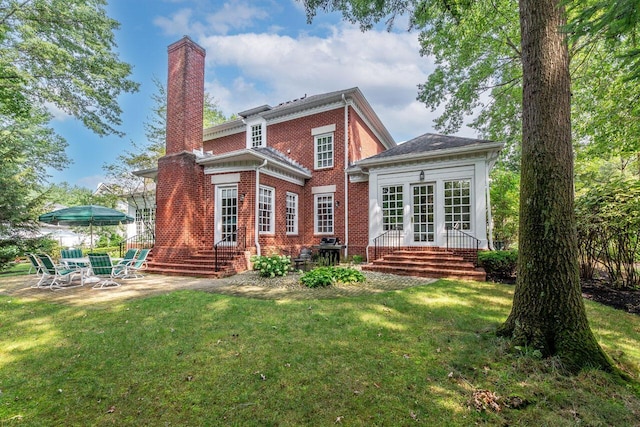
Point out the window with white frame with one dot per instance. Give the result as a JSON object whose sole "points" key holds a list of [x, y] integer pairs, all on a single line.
{"points": [[324, 151], [265, 210], [292, 213], [323, 210], [145, 221], [392, 208], [457, 204], [257, 135]]}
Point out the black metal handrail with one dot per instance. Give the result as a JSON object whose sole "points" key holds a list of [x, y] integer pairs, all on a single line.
{"points": [[386, 243], [459, 241], [226, 248], [139, 241]]}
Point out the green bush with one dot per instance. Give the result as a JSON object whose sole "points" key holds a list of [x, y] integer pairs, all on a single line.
{"points": [[357, 259], [500, 264], [326, 276], [271, 266]]}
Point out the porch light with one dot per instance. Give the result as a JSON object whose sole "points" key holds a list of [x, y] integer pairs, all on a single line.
{"points": [[421, 175], [337, 203], [242, 197]]}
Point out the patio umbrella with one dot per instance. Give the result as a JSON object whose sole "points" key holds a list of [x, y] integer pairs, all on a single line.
{"points": [[88, 215]]}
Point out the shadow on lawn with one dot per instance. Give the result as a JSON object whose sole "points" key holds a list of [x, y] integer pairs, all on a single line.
{"points": [[193, 357]]}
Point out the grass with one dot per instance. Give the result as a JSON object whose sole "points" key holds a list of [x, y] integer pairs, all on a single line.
{"points": [[17, 269], [417, 356]]}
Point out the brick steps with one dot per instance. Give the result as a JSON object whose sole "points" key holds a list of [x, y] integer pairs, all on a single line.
{"points": [[423, 262], [200, 264]]}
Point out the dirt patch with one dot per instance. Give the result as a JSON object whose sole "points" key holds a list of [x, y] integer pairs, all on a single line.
{"points": [[247, 284], [627, 300]]}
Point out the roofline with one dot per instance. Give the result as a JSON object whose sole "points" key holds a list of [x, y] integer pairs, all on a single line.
{"points": [[360, 103], [426, 155], [210, 160], [147, 173]]}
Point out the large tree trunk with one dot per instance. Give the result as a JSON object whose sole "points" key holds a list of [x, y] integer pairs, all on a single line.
{"points": [[548, 311]]}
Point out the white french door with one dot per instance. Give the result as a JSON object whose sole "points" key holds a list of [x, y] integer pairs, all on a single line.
{"points": [[423, 213], [226, 214]]}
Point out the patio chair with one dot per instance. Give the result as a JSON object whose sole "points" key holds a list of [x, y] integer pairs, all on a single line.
{"points": [[36, 265], [71, 253], [121, 268], [57, 276], [101, 266], [140, 263]]}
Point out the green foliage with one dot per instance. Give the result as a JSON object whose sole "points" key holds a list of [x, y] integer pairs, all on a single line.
{"points": [[272, 265], [53, 55], [608, 224], [10, 249], [505, 205], [327, 276], [357, 259], [499, 264]]}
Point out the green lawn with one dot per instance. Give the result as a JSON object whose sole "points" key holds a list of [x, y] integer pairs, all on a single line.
{"points": [[417, 356]]}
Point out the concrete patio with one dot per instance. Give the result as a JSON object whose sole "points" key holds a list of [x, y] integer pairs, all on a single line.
{"points": [[247, 284]]}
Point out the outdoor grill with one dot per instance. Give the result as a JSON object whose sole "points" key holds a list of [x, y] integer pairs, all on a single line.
{"points": [[329, 249]]}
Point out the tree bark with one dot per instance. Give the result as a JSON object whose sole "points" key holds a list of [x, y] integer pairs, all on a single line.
{"points": [[548, 312]]}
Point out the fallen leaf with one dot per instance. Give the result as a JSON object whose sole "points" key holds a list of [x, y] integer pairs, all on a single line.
{"points": [[111, 410], [339, 420], [264, 378], [484, 400], [413, 415]]}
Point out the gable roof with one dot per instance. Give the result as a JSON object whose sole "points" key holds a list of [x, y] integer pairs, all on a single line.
{"points": [[429, 146], [307, 105]]}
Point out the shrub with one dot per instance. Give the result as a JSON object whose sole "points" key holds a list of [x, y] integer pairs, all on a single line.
{"points": [[326, 276], [357, 259], [271, 266], [499, 264]]}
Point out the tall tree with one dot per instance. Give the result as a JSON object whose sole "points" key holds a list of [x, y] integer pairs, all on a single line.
{"points": [[54, 55], [548, 312]]}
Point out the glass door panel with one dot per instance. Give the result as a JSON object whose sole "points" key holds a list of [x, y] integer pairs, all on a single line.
{"points": [[423, 211]]}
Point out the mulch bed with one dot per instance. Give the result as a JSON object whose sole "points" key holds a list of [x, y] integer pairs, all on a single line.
{"points": [[599, 291]]}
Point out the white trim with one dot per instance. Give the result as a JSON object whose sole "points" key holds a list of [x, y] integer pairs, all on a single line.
{"points": [[316, 139], [272, 225], [323, 129], [323, 189], [296, 216], [230, 178], [315, 214], [259, 121]]}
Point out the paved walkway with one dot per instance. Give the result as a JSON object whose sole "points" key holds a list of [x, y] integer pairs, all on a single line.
{"points": [[247, 284]]}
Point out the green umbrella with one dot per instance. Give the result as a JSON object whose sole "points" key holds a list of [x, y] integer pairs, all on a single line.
{"points": [[88, 215]]}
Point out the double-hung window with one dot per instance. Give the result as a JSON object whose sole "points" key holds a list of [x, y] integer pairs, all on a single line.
{"points": [[265, 210], [256, 135], [324, 151], [323, 218], [145, 221], [292, 213], [457, 204]]}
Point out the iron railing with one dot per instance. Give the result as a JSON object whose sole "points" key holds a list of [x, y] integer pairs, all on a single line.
{"points": [[387, 242], [463, 243], [227, 247], [139, 241]]}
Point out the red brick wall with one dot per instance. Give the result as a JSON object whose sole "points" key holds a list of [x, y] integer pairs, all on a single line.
{"points": [[359, 218], [180, 186], [185, 96], [179, 214], [293, 138], [226, 144]]}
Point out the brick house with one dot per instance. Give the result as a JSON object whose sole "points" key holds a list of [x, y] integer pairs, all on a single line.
{"points": [[279, 178]]}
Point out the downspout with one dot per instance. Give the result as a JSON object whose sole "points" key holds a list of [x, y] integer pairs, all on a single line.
{"points": [[257, 206], [366, 172], [489, 216], [346, 176]]}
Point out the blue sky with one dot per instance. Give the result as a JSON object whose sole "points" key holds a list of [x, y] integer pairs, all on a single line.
{"points": [[258, 52]]}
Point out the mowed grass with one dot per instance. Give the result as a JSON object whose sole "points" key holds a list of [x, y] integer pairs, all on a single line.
{"points": [[426, 355]]}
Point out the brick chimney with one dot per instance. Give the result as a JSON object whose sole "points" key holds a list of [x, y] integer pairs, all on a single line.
{"points": [[185, 96], [179, 186]]}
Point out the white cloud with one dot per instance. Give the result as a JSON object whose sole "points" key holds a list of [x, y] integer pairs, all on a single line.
{"points": [[269, 65], [253, 69]]}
